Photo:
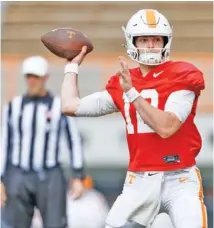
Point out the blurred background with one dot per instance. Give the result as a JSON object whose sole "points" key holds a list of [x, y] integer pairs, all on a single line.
{"points": [[105, 148]]}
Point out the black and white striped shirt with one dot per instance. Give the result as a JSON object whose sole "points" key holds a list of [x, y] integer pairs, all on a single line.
{"points": [[32, 130]]}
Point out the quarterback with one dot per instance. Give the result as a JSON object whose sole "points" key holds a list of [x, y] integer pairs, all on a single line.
{"points": [[158, 102]]}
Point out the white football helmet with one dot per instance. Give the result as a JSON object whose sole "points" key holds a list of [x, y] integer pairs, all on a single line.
{"points": [[148, 22]]}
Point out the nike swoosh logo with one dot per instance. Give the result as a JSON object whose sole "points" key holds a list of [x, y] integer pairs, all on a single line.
{"points": [[155, 75], [151, 174]]}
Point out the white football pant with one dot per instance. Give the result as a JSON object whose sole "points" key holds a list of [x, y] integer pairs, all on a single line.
{"points": [[180, 194]]}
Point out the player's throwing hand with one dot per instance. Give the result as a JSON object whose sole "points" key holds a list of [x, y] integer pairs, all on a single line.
{"points": [[80, 57], [124, 75]]}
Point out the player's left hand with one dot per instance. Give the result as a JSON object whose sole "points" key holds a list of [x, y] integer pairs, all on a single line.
{"points": [[77, 189], [124, 75]]}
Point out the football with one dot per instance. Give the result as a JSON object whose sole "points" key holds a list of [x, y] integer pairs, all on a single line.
{"points": [[66, 42]]}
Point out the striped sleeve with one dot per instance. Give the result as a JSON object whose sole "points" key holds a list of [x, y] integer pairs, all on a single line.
{"points": [[75, 147], [6, 134]]}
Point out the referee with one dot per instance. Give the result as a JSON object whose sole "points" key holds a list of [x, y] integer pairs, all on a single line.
{"points": [[31, 175]]}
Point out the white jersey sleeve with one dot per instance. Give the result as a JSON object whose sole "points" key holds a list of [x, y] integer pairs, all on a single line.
{"points": [[180, 103], [96, 104]]}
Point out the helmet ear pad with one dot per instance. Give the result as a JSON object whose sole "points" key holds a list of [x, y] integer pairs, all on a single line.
{"points": [[165, 40], [134, 40]]}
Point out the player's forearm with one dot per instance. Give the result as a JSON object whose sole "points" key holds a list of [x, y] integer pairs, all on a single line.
{"points": [[163, 123], [69, 94]]}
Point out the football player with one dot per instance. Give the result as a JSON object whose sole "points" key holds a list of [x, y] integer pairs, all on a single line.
{"points": [[158, 102]]}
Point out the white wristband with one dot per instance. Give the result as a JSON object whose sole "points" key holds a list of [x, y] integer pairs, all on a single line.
{"points": [[71, 68], [132, 94]]}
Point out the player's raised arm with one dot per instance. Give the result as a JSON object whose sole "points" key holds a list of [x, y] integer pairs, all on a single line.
{"points": [[96, 104], [69, 92]]}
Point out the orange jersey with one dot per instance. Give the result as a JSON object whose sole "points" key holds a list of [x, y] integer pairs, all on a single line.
{"points": [[148, 151]]}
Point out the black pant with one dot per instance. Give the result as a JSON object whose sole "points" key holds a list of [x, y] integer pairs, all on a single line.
{"points": [[26, 190]]}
